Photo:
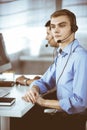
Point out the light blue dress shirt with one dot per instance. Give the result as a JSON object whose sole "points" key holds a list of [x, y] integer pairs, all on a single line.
{"points": [[68, 74]]}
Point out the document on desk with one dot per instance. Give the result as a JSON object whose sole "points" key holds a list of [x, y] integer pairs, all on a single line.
{"points": [[4, 92]]}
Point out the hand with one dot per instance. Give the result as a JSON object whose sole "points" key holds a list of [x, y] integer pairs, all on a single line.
{"points": [[20, 80], [31, 95]]}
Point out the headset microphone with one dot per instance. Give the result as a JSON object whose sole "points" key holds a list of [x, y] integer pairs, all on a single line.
{"points": [[49, 42], [61, 41], [46, 45]]}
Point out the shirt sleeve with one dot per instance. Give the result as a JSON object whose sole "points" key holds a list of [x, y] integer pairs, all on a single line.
{"points": [[78, 101], [47, 81]]}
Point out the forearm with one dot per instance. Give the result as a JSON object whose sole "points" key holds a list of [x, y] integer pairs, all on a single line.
{"points": [[52, 104], [49, 103], [29, 81], [26, 81]]}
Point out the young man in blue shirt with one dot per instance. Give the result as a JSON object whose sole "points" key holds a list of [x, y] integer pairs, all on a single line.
{"points": [[67, 75], [22, 80]]}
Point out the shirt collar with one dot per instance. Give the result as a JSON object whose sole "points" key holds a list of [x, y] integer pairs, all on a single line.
{"points": [[69, 48]]}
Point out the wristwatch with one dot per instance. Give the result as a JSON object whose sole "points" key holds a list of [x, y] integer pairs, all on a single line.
{"points": [[25, 81]]}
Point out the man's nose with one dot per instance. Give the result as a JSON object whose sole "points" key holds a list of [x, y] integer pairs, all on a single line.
{"points": [[56, 30], [46, 38]]}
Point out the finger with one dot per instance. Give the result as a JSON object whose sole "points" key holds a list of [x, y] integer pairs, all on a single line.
{"points": [[33, 96], [28, 97]]}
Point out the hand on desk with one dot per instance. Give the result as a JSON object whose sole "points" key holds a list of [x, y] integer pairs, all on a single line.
{"points": [[32, 95], [22, 80]]}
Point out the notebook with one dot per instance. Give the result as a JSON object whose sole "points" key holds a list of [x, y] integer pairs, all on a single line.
{"points": [[7, 101]]}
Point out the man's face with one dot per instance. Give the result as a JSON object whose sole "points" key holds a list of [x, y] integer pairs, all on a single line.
{"points": [[50, 38], [60, 27]]}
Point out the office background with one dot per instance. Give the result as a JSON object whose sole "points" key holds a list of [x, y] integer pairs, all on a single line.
{"points": [[22, 25]]}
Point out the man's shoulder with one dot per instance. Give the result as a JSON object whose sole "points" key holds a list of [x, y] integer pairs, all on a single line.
{"points": [[81, 50], [80, 54]]}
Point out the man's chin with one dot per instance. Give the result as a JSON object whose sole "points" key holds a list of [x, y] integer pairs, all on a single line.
{"points": [[53, 45]]}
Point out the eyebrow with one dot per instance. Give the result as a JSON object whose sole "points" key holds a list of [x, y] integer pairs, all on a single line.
{"points": [[61, 23]]}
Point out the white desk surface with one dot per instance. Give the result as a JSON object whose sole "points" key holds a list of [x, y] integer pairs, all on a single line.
{"points": [[20, 107]]}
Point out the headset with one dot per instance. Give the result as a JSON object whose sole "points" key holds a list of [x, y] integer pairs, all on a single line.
{"points": [[63, 40], [74, 28], [73, 23]]}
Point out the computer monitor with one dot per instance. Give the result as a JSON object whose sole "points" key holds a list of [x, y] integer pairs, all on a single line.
{"points": [[5, 63]]}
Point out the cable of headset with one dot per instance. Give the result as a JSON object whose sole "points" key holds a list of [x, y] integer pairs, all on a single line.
{"points": [[65, 63], [54, 89]]}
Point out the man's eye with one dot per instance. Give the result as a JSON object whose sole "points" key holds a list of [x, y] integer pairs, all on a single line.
{"points": [[52, 26], [62, 25]]}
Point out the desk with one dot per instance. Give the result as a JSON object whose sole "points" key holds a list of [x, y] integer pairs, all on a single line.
{"points": [[18, 109]]}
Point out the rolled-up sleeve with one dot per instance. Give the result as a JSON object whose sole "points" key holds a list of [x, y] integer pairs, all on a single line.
{"points": [[47, 81]]}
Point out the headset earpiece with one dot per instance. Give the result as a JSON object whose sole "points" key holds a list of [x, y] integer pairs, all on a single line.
{"points": [[74, 28]]}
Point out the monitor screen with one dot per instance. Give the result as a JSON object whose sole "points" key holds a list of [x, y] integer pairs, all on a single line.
{"points": [[5, 63]]}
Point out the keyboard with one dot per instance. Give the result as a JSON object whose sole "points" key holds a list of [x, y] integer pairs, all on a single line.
{"points": [[4, 92]]}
